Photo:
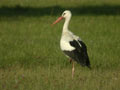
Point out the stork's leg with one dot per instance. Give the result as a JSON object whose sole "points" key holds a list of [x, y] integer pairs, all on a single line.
{"points": [[70, 60], [73, 69]]}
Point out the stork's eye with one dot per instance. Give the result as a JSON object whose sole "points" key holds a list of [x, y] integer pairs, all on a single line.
{"points": [[64, 14]]}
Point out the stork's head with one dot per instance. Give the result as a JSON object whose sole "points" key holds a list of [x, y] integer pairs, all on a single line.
{"points": [[66, 14]]}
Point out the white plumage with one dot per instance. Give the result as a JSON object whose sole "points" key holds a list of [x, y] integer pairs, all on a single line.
{"points": [[64, 42]]}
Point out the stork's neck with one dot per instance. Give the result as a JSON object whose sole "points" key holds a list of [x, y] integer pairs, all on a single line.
{"points": [[66, 24]]}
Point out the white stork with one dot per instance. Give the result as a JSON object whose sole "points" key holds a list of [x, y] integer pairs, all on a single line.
{"points": [[72, 46]]}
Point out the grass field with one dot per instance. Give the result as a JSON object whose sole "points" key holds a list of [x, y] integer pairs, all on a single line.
{"points": [[30, 56]]}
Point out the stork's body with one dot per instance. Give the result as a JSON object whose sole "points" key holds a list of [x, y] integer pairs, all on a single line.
{"points": [[73, 47]]}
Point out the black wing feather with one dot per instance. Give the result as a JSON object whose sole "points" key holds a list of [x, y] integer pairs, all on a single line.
{"points": [[80, 53]]}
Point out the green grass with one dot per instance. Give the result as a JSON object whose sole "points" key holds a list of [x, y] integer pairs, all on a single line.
{"points": [[30, 56]]}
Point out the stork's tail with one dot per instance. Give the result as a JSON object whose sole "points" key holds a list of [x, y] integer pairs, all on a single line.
{"points": [[88, 62]]}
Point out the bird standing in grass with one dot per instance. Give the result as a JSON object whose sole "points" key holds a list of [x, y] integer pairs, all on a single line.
{"points": [[72, 46]]}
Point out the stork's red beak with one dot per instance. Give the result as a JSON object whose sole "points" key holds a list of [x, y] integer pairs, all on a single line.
{"points": [[58, 20]]}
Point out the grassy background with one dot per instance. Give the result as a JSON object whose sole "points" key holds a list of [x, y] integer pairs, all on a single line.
{"points": [[30, 57]]}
